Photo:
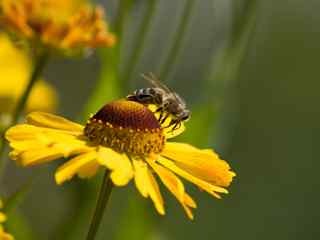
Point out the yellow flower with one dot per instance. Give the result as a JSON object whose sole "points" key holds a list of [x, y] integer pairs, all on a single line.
{"points": [[15, 69], [3, 218], [60, 24], [127, 139]]}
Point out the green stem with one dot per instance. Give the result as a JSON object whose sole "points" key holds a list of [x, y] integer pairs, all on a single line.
{"points": [[123, 10], [104, 195], [225, 67], [140, 40], [178, 39], [228, 63], [40, 63], [39, 66]]}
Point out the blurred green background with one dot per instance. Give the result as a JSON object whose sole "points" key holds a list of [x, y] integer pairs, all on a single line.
{"points": [[249, 72]]}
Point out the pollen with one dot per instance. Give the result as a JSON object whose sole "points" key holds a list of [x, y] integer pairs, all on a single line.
{"points": [[127, 127]]}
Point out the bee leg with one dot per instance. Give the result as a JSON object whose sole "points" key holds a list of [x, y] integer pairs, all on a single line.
{"points": [[165, 118], [160, 109], [161, 113], [170, 124], [176, 126]]}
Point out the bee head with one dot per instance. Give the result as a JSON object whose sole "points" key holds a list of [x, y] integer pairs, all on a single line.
{"points": [[185, 115]]}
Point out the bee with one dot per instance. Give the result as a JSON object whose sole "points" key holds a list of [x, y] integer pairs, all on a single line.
{"points": [[167, 101]]}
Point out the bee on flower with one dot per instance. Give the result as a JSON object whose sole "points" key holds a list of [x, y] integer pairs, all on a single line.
{"points": [[126, 138], [167, 101], [59, 24]]}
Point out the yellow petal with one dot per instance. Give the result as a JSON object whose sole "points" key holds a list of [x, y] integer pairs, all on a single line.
{"points": [[3, 217], [21, 146], [175, 186], [210, 188], [37, 156], [140, 174], [43, 144], [23, 132], [204, 164], [89, 170], [147, 185], [73, 166], [119, 164], [48, 120], [4, 235]]}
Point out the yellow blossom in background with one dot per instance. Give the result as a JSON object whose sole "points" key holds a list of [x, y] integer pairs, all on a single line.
{"points": [[126, 138], [3, 218], [59, 24], [15, 69]]}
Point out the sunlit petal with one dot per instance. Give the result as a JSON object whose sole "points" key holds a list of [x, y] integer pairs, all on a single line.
{"points": [[119, 164], [34, 145], [175, 186], [3, 217], [210, 188], [89, 170], [204, 164], [147, 185], [140, 174], [48, 120], [73, 166], [39, 156]]}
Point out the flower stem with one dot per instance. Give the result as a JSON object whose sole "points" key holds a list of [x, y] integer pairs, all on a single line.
{"points": [[178, 39], [140, 40], [104, 195], [39, 65]]}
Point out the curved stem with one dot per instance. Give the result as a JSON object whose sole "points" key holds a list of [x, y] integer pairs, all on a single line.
{"points": [[177, 42], [39, 65], [140, 40], [104, 195]]}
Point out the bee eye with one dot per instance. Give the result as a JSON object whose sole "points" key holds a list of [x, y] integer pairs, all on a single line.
{"points": [[152, 91], [143, 96], [185, 118]]}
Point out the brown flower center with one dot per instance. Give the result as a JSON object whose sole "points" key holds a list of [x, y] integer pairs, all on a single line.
{"points": [[126, 126]]}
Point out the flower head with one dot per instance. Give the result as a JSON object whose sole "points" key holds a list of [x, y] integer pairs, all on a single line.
{"points": [[3, 218], [15, 69], [126, 138], [59, 24]]}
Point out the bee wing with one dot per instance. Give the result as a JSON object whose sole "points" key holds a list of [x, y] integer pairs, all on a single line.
{"points": [[156, 82]]}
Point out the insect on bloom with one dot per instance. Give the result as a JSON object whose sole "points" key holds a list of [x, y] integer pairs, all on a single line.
{"points": [[126, 138], [167, 101]]}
